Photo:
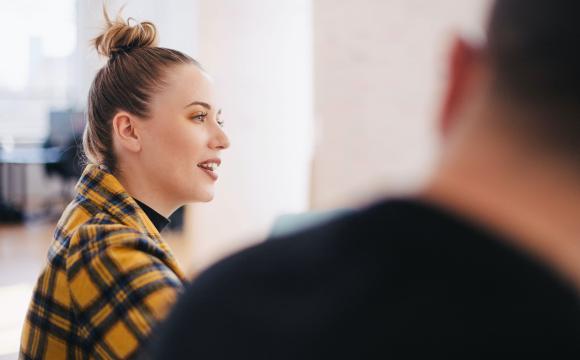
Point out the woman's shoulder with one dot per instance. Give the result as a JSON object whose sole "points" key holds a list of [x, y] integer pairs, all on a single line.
{"points": [[83, 226], [103, 232], [104, 241], [87, 235]]}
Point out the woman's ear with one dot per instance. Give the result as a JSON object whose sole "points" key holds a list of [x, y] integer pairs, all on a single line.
{"points": [[125, 132]]}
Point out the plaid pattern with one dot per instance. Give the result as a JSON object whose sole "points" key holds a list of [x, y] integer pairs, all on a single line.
{"points": [[109, 278]]}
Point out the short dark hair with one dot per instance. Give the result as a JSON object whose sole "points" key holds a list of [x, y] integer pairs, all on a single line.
{"points": [[534, 50]]}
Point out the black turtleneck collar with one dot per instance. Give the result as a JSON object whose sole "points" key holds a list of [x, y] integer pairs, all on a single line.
{"points": [[158, 220]]}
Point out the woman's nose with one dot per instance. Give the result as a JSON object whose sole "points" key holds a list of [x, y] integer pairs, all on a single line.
{"points": [[220, 140]]}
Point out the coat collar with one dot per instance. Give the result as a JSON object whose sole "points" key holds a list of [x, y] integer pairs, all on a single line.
{"points": [[98, 186], [100, 191]]}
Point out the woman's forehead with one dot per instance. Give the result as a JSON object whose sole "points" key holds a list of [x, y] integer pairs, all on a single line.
{"points": [[187, 84]]}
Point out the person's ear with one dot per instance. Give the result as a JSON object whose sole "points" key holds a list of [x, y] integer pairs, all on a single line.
{"points": [[125, 131], [461, 65]]}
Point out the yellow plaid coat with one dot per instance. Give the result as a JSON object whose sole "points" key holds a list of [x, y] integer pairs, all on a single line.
{"points": [[109, 280]]}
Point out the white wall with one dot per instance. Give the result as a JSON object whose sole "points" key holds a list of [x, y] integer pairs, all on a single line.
{"points": [[259, 52], [378, 75], [176, 21]]}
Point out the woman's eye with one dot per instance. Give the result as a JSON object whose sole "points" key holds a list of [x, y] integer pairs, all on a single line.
{"points": [[199, 117]]}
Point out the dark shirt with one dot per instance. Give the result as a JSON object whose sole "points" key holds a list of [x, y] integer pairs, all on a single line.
{"points": [[401, 279], [158, 220]]}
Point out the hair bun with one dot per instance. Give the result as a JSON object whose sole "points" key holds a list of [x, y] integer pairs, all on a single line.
{"points": [[120, 36]]}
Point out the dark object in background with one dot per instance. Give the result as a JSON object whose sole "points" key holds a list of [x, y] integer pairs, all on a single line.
{"points": [[14, 178], [10, 214], [65, 132], [69, 165]]}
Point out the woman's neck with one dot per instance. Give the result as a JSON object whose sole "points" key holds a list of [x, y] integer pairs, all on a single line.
{"points": [[140, 187]]}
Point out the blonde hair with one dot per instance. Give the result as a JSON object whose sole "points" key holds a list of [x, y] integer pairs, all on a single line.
{"points": [[134, 72]]}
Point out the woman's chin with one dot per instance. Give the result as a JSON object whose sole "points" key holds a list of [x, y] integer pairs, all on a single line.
{"points": [[203, 197], [206, 200]]}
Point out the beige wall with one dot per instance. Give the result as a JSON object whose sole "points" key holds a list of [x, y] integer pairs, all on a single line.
{"points": [[378, 74]]}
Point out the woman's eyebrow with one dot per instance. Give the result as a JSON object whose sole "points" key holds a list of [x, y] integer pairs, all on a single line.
{"points": [[204, 104]]}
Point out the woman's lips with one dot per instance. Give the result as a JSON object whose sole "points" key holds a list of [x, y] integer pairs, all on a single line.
{"points": [[210, 173], [210, 166]]}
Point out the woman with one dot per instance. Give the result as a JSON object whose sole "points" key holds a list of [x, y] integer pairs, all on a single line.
{"points": [[153, 140]]}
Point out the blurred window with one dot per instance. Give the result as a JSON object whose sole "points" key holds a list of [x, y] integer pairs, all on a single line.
{"points": [[38, 40]]}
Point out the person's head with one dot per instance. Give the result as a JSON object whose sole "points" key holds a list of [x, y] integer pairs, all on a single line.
{"points": [[525, 76], [153, 119]]}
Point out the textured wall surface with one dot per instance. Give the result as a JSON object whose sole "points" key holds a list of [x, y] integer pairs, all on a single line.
{"points": [[378, 75]]}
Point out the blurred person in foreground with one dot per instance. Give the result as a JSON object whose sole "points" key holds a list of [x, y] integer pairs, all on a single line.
{"points": [[153, 140], [484, 260]]}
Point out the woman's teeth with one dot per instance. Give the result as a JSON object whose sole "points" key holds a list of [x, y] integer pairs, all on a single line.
{"points": [[209, 166]]}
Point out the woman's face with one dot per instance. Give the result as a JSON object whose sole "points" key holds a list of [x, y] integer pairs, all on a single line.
{"points": [[183, 138]]}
